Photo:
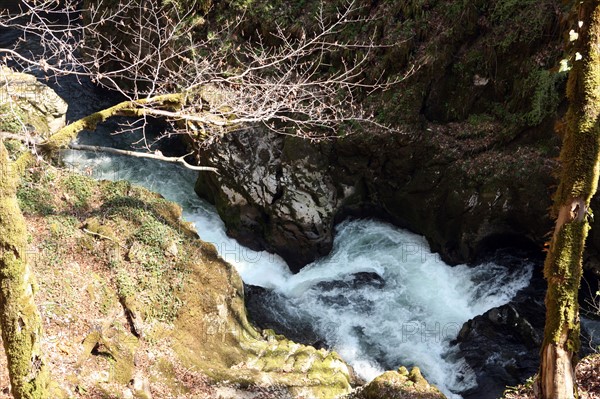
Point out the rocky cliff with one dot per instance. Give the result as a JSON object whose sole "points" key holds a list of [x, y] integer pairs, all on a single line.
{"points": [[471, 168]]}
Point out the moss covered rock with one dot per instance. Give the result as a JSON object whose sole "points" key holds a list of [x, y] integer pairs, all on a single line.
{"points": [[33, 106], [399, 384], [120, 305]]}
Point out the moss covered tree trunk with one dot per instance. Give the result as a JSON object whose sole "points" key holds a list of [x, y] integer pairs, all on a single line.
{"points": [[19, 317], [578, 183]]}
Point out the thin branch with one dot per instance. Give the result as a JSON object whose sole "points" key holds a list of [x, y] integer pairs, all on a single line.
{"points": [[27, 140], [157, 155], [82, 147]]}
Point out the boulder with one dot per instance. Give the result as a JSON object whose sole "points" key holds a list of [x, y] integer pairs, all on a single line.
{"points": [[274, 193], [27, 104], [400, 384], [502, 345]]}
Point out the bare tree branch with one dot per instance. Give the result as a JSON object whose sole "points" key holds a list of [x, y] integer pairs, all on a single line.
{"points": [[135, 154], [143, 49], [31, 141]]}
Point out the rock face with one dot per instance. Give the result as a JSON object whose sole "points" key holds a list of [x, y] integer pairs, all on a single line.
{"points": [[285, 195], [501, 347], [472, 168], [36, 107], [275, 193]]}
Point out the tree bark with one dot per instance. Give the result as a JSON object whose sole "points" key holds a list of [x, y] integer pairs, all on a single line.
{"points": [[19, 317], [578, 183]]}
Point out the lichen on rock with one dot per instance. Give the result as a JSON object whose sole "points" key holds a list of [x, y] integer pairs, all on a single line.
{"points": [[33, 105]]}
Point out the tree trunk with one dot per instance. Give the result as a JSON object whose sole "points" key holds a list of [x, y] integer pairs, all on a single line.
{"points": [[19, 317], [578, 183]]}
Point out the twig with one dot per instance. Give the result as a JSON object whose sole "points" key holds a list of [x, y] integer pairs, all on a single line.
{"points": [[83, 147], [158, 156]]}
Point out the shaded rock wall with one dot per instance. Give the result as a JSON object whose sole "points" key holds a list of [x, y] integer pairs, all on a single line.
{"points": [[472, 168], [274, 192], [285, 195]]}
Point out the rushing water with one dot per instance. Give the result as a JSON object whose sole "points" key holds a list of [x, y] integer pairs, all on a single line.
{"points": [[406, 316]]}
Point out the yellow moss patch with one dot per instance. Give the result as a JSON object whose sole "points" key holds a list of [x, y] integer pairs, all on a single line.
{"points": [[400, 385]]}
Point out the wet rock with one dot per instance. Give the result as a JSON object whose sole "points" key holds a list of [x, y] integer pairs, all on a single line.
{"points": [[502, 345], [266, 309], [354, 281]]}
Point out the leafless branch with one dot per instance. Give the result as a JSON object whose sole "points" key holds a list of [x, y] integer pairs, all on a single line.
{"points": [[140, 48], [32, 141], [156, 155]]}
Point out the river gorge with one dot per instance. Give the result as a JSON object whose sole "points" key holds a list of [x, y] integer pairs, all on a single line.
{"points": [[423, 248]]}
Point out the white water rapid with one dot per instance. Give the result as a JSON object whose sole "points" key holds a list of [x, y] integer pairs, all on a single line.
{"points": [[408, 316]]}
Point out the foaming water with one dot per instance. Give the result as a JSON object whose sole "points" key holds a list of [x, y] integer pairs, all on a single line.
{"points": [[406, 316], [381, 298]]}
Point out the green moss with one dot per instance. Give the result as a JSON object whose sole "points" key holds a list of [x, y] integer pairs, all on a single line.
{"points": [[154, 233], [80, 187], [34, 200], [127, 108], [546, 96], [94, 226], [563, 270], [399, 385], [112, 190], [117, 346], [20, 320], [12, 118], [126, 283]]}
